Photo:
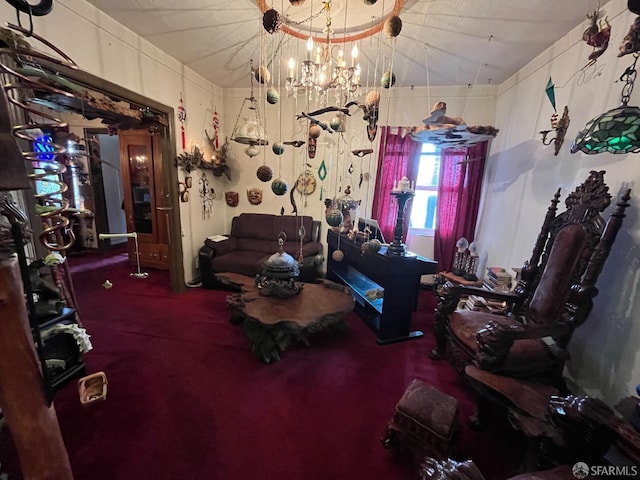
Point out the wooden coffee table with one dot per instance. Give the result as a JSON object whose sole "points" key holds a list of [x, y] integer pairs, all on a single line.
{"points": [[272, 324]]}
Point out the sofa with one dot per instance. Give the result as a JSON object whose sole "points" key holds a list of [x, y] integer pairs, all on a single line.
{"points": [[253, 239]]}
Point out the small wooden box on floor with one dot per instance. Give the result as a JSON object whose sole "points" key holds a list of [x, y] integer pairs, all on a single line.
{"points": [[425, 422]]}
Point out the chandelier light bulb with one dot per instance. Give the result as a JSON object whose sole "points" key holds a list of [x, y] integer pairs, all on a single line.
{"points": [[310, 45], [292, 66], [354, 55]]}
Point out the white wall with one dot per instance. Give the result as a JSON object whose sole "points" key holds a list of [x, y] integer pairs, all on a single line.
{"points": [[105, 48], [398, 107], [522, 175]]}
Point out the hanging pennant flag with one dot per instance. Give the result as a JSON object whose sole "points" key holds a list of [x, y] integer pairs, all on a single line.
{"points": [[216, 126], [551, 93], [182, 117]]}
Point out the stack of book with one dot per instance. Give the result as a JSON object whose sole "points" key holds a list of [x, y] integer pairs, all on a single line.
{"points": [[497, 279], [475, 302]]}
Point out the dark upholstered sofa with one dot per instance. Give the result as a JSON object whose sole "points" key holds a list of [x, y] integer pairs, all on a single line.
{"points": [[253, 239]]}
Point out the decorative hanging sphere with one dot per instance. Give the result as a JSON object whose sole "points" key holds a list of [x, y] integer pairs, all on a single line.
{"points": [[314, 131], [279, 186], [273, 96], [373, 246], [296, 3], [338, 255], [278, 148], [372, 99], [271, 20], [333, 216], [370, 2], [262, 74], [252, 150], [392, 26], [264, 173], [388, 79], [337, 123]]}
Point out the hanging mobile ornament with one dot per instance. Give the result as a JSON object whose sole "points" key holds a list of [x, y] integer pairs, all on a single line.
{"points": [[301, 233], [182, 117], [322, 171], [215, 122]]}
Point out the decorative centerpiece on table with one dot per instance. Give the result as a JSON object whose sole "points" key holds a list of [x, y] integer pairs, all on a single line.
{"points": [[280, 274], [403, 191]]}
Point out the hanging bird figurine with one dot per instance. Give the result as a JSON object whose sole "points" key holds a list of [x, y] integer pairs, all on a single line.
{"points": [[597, 35]]}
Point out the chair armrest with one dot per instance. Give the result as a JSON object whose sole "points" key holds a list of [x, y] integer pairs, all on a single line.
{"points": [[496, 339]]}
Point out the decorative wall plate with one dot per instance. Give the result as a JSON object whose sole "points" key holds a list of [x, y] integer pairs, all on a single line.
{"points": [[306, 183]]}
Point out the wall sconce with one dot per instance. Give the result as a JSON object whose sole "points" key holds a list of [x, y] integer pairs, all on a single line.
{"points": [[558, 126]]}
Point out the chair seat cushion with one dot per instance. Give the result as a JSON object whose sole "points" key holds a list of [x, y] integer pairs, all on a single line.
{"points": [[526, 355]]}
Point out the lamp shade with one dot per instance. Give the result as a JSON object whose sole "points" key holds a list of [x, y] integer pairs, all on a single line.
{"points": [[462, 244], [614, 131]]}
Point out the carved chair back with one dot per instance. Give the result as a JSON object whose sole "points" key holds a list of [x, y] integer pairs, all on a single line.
{"points": [[563, 250]]}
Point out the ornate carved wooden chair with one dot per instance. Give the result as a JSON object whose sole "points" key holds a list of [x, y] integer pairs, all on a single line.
{"points": [[552, 298]]}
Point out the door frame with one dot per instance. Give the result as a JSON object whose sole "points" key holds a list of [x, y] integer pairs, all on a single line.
{"points": [[169, 167]]}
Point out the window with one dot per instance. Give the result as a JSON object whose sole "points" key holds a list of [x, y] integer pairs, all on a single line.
{"points": [[423, 209]]}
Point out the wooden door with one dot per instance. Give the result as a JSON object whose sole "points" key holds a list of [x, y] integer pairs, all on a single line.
{"points": [[141, 160]]}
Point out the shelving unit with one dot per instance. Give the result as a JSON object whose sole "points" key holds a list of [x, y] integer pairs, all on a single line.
{"points": [[397, 277], [60, 350]]}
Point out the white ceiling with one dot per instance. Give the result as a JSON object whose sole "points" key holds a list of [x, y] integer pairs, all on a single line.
{"points": [[442, 42]]}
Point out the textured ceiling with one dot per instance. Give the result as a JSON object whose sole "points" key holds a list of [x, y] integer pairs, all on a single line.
{"points": [[442, 42]]}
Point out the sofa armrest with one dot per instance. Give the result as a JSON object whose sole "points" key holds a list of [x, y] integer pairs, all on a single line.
{"points": [[225, 246], [311, 248]]}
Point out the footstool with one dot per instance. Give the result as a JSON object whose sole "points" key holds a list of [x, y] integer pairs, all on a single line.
{"points": [[425, 422]]}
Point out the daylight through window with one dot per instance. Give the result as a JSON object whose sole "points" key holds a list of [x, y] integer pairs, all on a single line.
{"points": [[423, 209]]}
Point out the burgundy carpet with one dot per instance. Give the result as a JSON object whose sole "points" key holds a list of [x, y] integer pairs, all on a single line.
{"points": [[187, 399]]}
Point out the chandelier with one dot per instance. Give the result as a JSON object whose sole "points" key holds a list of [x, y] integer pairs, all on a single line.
{"points": [[325, 68]]}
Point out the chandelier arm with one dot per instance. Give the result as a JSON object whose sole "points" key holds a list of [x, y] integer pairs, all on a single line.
{"points": [[398, 6]]}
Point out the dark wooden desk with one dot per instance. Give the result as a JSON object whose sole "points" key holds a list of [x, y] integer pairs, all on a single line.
{"points": [[396, 277]]}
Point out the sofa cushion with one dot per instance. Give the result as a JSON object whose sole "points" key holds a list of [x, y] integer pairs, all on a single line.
{"points": [[246, 262], [257, 245], [253, 225]]}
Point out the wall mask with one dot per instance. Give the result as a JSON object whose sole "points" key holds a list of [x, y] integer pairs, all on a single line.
{"points": [[232, 198], [255, 196]]}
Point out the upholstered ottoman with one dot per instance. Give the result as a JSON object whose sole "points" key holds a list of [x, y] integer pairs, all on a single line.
{"points": [[425, 422]]}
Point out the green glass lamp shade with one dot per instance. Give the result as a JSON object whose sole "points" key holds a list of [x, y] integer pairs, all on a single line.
{"points": [[614, 131]]}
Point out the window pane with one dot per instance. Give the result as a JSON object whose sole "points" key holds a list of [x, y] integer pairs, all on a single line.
{"points": [[423, 210], [428, 171], [428, 148]]}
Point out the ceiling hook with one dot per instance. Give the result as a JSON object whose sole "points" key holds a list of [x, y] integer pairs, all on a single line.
{"points": [[25, 9]]}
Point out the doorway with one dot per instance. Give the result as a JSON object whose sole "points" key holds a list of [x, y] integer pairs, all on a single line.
{"points": [[108, 190]]}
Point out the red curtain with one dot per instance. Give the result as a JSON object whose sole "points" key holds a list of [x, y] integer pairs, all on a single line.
{"points": [[399, 156], [459, 191]]}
